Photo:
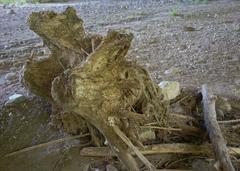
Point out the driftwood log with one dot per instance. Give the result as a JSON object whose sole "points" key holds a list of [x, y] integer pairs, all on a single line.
{"points": [[91, 83], [214, 131]]}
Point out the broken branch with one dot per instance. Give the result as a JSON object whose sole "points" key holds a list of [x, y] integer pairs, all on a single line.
{"points": [[180, 148], [214, 131], [45, 144], [133, 148]]}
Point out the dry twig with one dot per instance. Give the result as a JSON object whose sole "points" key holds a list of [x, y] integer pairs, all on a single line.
{"points": [[133, 148], [45, 144], [229, 121]]}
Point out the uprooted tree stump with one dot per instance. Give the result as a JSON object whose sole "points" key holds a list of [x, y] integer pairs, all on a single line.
{"points": [[89, 79]]}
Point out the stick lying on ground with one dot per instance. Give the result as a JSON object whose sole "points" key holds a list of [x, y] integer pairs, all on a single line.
{"points": [[46, 144], [180, 148], [214, 131], [133, 148], [229, 121]]}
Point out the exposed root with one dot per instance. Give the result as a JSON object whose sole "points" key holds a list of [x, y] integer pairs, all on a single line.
{"points": [[89, 80]]}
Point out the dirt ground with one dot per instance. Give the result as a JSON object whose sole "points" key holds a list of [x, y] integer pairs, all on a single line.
{"points": [[185, 42]]}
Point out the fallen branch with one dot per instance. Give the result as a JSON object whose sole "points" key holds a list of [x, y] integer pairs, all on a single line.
{"points": [[190, 118], [45, 144], [183, 129], [162, 128], [181, 116], [180, 148], [133, 148], [214, 131], [229, 121], [185, 118]]}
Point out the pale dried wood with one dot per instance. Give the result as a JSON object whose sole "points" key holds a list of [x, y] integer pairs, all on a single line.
{"points": [[133, 148], [214, 131], [46, 144], [229, 121], [178, 148]]}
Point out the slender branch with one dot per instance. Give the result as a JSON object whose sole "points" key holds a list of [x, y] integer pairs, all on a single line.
{"points": [[162, 128], [178, 116], [133, 148], [45, 144], [229, 121], [176, 148], [181, 116], [214, 131]]}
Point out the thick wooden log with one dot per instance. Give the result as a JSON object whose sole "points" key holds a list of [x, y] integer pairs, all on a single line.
{"points": [[214, 131]]}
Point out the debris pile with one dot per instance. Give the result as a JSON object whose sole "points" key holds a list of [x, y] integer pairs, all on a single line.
{"points": [[94, 89]]}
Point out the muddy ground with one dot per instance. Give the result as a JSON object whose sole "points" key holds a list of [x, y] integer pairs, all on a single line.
{"points": [[185, 42]]}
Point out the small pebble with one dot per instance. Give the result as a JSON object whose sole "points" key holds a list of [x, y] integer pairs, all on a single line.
{"points": [[172, 71], [5, 47], [187, 28], [11, 76], [110, 167], [11, 11], [237, 82], [183, 47], [170, 89], [15, 98]]}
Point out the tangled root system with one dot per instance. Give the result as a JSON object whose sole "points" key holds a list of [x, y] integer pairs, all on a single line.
{"points": [[89, 79]]}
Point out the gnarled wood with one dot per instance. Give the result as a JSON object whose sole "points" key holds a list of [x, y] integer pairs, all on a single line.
{"points": [[106, 88], [64, 35], [92, 81]]}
